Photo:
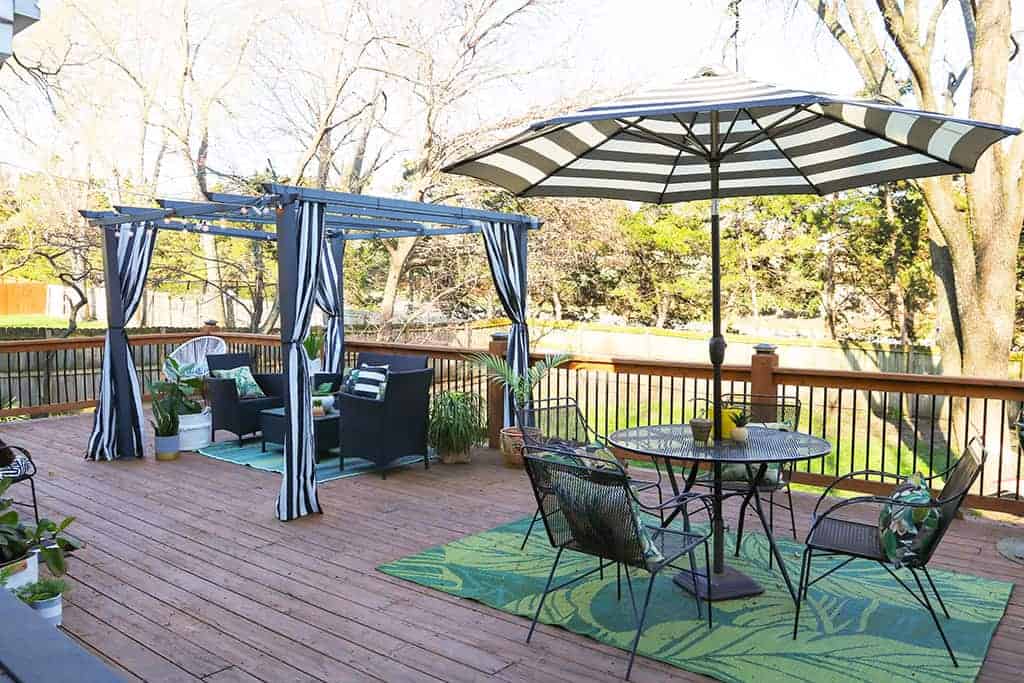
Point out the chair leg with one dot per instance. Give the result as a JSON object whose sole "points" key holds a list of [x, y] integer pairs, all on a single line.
{"points": [[35, 504], [618, 581], [426, 461], [792, 517], [739, 525], [771, 510], [936, 591], [935, 617], [707, 574], [640, 626], [536, 516], [801, 589], [629, 585], [547, 586]]}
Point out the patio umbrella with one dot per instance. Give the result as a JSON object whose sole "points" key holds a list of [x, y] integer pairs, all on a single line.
{"points": [[720, 134]]}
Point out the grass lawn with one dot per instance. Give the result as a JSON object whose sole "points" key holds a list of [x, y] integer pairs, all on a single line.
{"points": [[46, 321]]}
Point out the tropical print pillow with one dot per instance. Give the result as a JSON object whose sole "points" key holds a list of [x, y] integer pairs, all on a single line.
{"points": [[598, 456], [244, 381], [906, 533], [591, 510]]}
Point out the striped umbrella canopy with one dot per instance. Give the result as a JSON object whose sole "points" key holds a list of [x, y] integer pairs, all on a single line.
{"points": [[720, 134]]}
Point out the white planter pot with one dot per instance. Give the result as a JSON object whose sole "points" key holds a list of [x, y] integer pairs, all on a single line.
{"points": [[739, 434], [25, 571], [52, 610], [194, 430]]}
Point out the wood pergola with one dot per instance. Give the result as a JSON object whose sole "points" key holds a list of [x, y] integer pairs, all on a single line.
{"points": [[311, 228]]}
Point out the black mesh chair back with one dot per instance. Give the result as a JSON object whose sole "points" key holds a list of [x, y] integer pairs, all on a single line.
{"points": [[585, 508], [228, 361], [557, 421], [958, 484], [395, 362]]}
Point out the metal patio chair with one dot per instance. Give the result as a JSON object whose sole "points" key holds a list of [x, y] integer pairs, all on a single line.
{"points": [[833, 536], [591, 508], [773, 412], [563, 428], [18, 467]]}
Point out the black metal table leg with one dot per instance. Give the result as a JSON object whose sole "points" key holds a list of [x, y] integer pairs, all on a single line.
{"points": [[767, 530]]}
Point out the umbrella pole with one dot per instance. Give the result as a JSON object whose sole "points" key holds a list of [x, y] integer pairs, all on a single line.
{"points": [[716, 347]]}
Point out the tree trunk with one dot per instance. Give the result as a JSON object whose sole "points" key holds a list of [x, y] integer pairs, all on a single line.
{"points": [[398, 255], [556, 303]]}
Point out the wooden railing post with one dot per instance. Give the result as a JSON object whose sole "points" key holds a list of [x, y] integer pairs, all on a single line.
{"points": [[762, 375], [498, 346]]}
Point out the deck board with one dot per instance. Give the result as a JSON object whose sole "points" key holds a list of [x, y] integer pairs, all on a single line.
{"points": [[188, 576]]}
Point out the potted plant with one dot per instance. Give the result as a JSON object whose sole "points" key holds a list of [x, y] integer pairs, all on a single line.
{"points": [[195, 421], [314, 345], [521, 387], [165, 422], [739, 431], [46, 597], [23, 545], [456, 424]]}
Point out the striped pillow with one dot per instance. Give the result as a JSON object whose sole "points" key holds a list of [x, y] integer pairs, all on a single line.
{"points": [[367, 381]]}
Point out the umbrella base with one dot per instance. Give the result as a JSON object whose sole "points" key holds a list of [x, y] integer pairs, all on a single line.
{"points": [[728, 585]]}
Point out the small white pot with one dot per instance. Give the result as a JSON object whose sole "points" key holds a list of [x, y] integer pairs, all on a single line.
{"points": [[194, 430], [52, 610], [25, 571], [739, 434]]}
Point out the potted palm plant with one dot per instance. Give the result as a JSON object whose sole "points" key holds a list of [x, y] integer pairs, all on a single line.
{"points": [[521, 387], [165, 420], [314, 345], [456, 424]]}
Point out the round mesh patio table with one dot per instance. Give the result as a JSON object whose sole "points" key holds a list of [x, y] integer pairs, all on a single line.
{"points": [[674, 443]]}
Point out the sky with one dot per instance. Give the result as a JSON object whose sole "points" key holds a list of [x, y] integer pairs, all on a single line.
{"points": [[599, 45]]}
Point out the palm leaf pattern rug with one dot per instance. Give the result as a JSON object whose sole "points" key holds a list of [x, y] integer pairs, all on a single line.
{"points": [[857, 624], [251, 454]]}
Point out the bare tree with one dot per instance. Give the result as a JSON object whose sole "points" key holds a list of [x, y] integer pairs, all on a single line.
{"points": [[974, 239]]}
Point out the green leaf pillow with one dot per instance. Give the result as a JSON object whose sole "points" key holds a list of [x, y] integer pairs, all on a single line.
{"points": [[907, 533], [244, 381]]}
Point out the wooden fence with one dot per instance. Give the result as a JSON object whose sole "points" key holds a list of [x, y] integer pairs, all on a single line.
{"points": [[882, 421]]}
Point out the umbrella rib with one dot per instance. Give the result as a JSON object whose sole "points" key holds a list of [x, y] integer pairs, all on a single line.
{"points": [[757, 137], [783, 152], [576, 158], [689, 132], [728, 131], [658, 138]]}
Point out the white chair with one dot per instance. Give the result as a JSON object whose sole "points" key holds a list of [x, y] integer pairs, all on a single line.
{"points": [[193, 353]]}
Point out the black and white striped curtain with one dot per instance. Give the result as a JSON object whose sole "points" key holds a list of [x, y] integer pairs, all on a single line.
{"points": [[117, 423], [506, 256], [300, 240], [330, 297]]}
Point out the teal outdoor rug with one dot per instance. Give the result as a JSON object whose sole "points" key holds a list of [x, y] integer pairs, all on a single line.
{"points": [[857, 625], [251, 455]]}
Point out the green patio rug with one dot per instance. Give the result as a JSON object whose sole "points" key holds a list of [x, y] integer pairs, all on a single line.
{"points": [[858, 624], [251, 454]]}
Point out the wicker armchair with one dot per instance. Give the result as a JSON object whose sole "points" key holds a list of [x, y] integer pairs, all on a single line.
{"points": [[16, 465], [384, 431], [610, 530], [240, 416], [774, 412], [560, 425], [831, 535]]}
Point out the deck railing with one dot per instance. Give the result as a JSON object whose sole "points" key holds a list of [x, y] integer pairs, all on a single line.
{"points": [[880, 421]]}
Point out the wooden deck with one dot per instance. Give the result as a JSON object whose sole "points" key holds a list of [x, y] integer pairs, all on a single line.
{"points": [[187, 575]]}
